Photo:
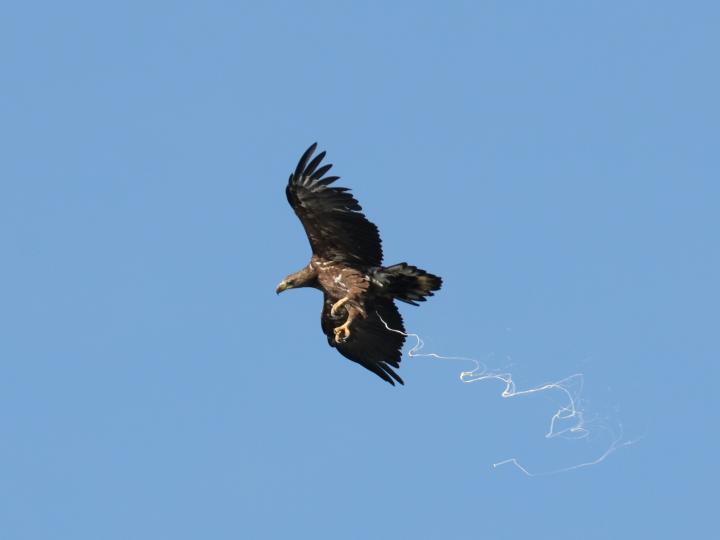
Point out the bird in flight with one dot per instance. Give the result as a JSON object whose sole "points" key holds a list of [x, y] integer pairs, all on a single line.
{"points": [[346, 265]]}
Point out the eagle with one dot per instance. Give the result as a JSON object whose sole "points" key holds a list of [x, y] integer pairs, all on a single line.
{"points": [[359, 315]]}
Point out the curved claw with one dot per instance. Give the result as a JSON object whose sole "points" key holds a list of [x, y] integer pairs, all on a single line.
{"points": [[342, 333]]}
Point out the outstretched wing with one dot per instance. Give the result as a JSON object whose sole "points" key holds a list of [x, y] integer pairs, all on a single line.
{"points": [[333, 219], [370, 344]]}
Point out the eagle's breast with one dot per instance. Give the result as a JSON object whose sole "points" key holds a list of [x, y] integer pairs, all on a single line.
{"points": [[339, 280]]}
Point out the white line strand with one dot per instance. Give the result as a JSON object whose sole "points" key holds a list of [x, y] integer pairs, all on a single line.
{"points": [[570, 414]]}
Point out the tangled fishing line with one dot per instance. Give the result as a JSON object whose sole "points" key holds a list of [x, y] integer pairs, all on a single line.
{"points": [[568, 421]]}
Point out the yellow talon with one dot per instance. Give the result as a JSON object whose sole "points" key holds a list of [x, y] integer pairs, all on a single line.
{"points": [[342, 333]]}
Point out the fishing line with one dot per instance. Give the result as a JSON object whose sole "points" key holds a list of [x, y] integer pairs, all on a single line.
{"points": [[569, 421]]}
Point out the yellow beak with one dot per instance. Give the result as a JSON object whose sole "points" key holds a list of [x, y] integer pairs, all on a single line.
{"points": [[281, 287]]}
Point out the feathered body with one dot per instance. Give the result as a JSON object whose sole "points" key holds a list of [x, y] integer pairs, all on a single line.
{"points": [[347, 266]]}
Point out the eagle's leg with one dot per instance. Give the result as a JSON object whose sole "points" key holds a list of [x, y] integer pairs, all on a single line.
{"points": [[353, 303], [337, 305], [342, 332]]}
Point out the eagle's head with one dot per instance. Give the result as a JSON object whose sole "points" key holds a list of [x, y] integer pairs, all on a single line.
{"points": [[307, 277], [287, 283]]}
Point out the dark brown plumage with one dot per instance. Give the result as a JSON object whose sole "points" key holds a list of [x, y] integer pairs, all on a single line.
{"points": [[346, 265]]}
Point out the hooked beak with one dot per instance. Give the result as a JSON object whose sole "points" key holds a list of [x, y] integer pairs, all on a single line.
{"points": [[281, 287]]}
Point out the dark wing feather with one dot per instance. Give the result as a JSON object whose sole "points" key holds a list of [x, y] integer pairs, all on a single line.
{"points": [[332, 218], [371, 344]]}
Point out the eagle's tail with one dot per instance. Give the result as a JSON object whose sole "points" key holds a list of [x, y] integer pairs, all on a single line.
{"points": [[407, 283]]}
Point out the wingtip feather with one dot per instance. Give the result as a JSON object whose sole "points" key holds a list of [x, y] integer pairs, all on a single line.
{"points": [[304, 159]]}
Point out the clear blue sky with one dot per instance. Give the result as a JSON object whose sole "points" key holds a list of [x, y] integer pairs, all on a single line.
{"points": [[556, 163]]}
